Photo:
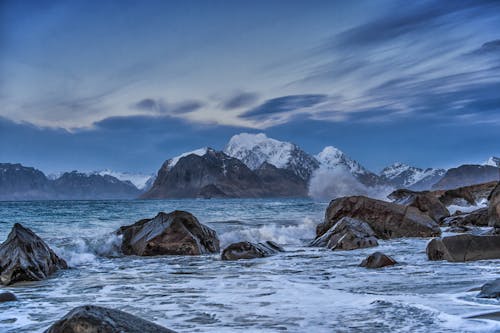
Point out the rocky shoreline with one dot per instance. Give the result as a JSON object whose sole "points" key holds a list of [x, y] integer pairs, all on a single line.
{"points": [[350, 223]]}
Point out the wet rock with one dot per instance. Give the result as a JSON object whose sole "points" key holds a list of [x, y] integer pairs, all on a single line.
{"points": [[490, 289], [7, 297], [466, 195], [464, 247], [377, 260], [494, 207], [424, 201], [26, 257], [175, 233], [460, 229], [387, 219], [347, 234], [495, 315], [247, 250], [478, 218], [96, 319]]}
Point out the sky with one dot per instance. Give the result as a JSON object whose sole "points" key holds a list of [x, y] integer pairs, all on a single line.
{"points": [[125, 85]]}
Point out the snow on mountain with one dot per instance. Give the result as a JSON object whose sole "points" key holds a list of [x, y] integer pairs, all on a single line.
{"points": [[404, 176], [493, 161], [173, 161], [139, 180], [255, 149], [331, 158]]}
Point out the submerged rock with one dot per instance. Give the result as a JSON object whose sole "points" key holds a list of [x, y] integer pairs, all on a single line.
{"points": [[7, 297], [464, 247], [490, 289], [96, 319], [494, 207], [425, 201], [26, 257], [347, 234], [175, 233], [377, 260], [247, 250], [387, 219]]}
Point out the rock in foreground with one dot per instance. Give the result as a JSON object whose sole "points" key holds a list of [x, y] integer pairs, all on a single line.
{"points": [[377, 260], [26, 257], [388, 220], [175, 233], [490, 290], [7, 297], [464, 247], [247, 250], [96, 319], [347, 234]]}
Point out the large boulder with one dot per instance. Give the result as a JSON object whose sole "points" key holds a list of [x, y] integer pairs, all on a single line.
{"points": [[247, 250], [465, 247], [494, 207], [347, 234], [7, 297], [424, 201], [25, 257], [465, 195], [478, 217], [377, 260], [490, 289], [387, 219], [96, 319], [175, 233]]}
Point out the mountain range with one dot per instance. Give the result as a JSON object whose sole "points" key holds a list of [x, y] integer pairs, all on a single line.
{"points": [[250, 165]]}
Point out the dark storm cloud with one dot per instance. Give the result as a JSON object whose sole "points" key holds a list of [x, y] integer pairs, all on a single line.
{"points": [[284, 104], [243, 99]]}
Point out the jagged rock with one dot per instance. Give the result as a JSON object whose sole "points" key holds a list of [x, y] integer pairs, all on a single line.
{"points": [[490, 289], [96, 319], [377, 260], [465, 195], [424, 201], [388, 220], [247, 250], [347, 234], [7, 297], [464, 247], [494, 207], [25, 257], [175, 233], [479, 218]]}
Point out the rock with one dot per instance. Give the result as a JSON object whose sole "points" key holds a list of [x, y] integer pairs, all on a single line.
{"points": [[96, 319], [175, 233], [459, 229], [494, 207], [247, 250], [464, 247], [347, 234], [424, 201], [490, 289], [495, 315], [25, 257], [465, 195], [7, 297], [388, 220], [377, 260], [479, 218]]}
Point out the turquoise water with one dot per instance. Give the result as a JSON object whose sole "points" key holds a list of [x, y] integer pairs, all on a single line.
{"points": [[302, 290]]}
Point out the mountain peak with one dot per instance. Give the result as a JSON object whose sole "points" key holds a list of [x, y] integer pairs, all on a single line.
{"points": [[332, 158], [493, 161], [199, 152]]}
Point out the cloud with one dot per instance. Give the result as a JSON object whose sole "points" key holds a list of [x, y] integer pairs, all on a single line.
{"points": [[284, 104], [159, 106], [239, 100]]}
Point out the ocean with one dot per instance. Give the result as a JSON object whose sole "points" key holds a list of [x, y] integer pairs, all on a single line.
{"points": [[301, 290]]}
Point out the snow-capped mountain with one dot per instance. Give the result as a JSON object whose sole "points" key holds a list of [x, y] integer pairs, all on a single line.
{"points": [[139, 180], [493, 161], [255, 149], [174, 160], [401, 175]]}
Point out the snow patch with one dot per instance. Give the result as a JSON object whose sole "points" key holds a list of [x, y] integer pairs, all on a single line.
{"points": [[331, 158], [141, 181], [493, 161], [199, 152]]}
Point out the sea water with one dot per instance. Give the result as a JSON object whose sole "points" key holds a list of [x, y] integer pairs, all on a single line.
{"points": [[301, 290]]}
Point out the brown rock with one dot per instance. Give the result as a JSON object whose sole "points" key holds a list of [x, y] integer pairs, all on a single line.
{"points": [[247, 250], [377, 260], [26, 257], [424, 201], [494, 207], [464, 247], [175, 233], [479, 218], [347, 234], [466, 195], [96, 319], [7, 297], [388, 220]]}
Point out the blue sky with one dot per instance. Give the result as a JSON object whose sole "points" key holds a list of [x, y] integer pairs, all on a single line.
{"points": [[126, 84]]}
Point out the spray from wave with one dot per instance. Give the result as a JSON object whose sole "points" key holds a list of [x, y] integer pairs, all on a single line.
{"points": [[327, 184]]}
